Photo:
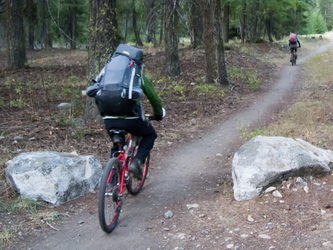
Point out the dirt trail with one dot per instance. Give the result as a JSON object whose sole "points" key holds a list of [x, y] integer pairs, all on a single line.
{"points": [[189, 174]]}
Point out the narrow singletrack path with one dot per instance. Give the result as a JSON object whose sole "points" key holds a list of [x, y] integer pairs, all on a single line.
{"points": [[182, 176]]}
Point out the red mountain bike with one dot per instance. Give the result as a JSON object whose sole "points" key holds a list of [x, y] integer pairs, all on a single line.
{"points": [[116, 179]]}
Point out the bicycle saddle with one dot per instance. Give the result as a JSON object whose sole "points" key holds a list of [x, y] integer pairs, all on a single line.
{"points": [[118, 135]]}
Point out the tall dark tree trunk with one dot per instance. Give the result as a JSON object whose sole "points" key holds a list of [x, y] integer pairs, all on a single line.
{"points": [[171, 38], [214, 48], [30, 13], [151, 18], [226, 21], [127, 20], [242, 21], [135, 26], [16, 53], [102, 43], [211, 69], [73, 24], [46, 38], [162, 25], [220, 58], [197, 23], [254, 22], [269, 30]]}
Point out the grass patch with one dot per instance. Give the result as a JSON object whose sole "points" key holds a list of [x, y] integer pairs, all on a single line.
{"points": [[19, 205], [252, 78], [7, 237], [209, 89]]}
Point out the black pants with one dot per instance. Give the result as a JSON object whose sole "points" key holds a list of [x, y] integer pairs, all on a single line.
{"points": [[136, 127]]}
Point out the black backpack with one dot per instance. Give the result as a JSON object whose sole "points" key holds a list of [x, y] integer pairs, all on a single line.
{"points": [[117, 89]]}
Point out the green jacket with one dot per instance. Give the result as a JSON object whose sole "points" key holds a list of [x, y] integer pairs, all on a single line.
{"points": [[149, 91]]}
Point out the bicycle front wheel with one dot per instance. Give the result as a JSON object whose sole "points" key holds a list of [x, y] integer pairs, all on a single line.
{"points": [[136, 185], [109, 203]]}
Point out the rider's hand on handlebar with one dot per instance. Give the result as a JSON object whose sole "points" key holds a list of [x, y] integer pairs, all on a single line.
{"points": [[159, 117]]}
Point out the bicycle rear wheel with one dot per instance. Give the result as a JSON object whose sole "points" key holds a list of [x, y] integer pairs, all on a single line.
{"points": [[135, 185], [293, 59], [109, 203]]}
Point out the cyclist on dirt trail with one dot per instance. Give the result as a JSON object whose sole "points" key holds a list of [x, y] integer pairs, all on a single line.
{"points": [[293, 40], [136, 125]]}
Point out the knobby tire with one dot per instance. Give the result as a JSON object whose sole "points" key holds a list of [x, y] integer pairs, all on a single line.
{"points": [[109, 203]]}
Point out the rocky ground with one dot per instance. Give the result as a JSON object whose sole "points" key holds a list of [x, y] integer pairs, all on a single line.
{"points": [[296, 219]]}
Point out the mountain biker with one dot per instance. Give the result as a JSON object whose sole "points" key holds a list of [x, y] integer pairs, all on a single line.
{"points": [[137, 125], [293, 40]]}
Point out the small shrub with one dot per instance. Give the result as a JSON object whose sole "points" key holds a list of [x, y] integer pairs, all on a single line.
{"points": [[235, 73], [254, 82], [209, 89], [179, 89], [7, 236]]}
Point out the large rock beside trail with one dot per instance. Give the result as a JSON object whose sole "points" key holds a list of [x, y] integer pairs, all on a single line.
{"points": [[53, 177], [263, 161]]}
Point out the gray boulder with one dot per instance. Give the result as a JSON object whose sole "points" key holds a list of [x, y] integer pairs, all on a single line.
{"points": [[263, 161], [53, 177]]}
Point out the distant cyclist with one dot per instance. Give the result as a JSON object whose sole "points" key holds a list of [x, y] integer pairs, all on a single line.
{"points": [[293, 41]]}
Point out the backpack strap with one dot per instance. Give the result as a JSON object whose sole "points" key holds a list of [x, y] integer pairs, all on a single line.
{"points": [[141, 76], [132, 80]]}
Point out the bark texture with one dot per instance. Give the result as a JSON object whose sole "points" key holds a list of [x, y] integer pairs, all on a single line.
{"points": [[219, 50], [197, 23], [16, 53], [225, 23], [135, 26], [214, 48], [211, 69], [103, 39], [171, 38]]}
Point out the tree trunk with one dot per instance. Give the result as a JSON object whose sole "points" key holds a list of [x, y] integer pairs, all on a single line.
{"points": [[242, 22], [269, 30], [171, 38], [254, 22], [135, 27], [151, 11], [162, 25], [73, 24], [30, 13], [102, 39], [220, 58], [16, 53], [211, 69], [127, 20], [46, 38], [197, 23], [226, 21]]}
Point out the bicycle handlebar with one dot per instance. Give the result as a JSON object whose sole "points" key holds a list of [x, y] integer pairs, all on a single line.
{"points": [[150, 117]]}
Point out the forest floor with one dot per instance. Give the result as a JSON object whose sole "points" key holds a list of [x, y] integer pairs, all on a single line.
{"points": [[31, 121]]}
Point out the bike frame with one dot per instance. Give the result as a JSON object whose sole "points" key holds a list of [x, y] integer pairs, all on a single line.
{"points": [[126, 152], [125, 160]]}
